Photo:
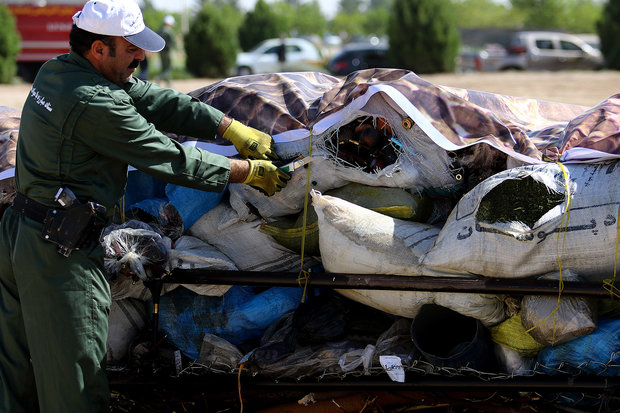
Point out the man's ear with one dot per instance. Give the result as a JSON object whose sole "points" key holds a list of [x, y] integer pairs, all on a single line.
{"points": [[98, 49]]}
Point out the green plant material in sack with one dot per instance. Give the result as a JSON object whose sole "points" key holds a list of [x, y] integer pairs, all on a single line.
{"points": [[609, 308], [288, 232], [393, 202]]}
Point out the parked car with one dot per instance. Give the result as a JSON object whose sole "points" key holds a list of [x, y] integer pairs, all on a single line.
{"points": [[358, 56], [590, 38], [487, 58], [301, 54], [533, 50]]}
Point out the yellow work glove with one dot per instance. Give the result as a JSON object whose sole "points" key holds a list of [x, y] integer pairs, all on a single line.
{"points": [[266, 177], [250, 143]]}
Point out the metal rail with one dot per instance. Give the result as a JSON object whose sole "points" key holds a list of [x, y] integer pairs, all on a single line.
{"points": [[520, 383], [522, 286]]}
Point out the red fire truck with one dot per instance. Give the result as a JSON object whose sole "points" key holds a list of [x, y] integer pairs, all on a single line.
{"points": [[44, 28]]}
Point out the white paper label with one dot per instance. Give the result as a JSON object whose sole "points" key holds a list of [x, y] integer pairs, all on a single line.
{"points": [[394, 368]]}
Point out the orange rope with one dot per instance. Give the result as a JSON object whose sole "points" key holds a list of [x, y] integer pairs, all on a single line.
{"points": [[239, 387]]}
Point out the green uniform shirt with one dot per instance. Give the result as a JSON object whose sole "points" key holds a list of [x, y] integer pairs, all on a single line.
{"points": [[81, 131], [167, 34]]}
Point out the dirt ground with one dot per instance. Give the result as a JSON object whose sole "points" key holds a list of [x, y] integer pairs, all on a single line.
{"points": [[577, 87]]}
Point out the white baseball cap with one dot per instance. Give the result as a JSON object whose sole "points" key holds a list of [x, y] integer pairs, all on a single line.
{"points": [[118, 18], [169, 20]]}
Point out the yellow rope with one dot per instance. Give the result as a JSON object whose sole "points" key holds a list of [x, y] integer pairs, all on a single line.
{"points": [[304, 276], [563, 227], [610, 285]]}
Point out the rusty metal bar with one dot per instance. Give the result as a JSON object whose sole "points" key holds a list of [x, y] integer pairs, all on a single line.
{"points": [[520, 383], [521, 286]]}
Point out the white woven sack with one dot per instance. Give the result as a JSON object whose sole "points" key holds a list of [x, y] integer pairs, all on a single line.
{"points": [[193, 253], [357, 240], [489, 309], [400, 303], [243, 243], [354, 239], [127, 318], [586, 243], [124, 287]]}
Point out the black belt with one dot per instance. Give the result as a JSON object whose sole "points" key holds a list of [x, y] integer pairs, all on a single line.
{"points": [[30, 208]]}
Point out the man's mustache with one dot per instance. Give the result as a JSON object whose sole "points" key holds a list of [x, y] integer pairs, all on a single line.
{"points": [[134, 64]]}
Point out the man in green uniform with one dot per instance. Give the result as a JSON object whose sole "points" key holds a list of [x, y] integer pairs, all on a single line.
{"points": [[167, 33], [86, 119]]}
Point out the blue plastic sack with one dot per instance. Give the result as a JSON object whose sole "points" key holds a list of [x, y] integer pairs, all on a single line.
{"points": [[192, 203], [241, 315], [141, 186], [597, 353]]}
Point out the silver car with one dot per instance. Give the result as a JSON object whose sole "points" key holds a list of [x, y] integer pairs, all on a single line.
{"points": [[537, 50]]}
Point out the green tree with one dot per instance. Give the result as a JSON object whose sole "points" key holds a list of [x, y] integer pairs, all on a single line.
{"points": [[541, 13], [380, 4], [285, 13], [309, 19], [225, 3], [376, 21], [423, 36], [350, 6], [221, 3], [211, 43], [351, 24], [9, 45], [484, 13], [259, 24], [578, 16], [609, 33], [582, 15]]}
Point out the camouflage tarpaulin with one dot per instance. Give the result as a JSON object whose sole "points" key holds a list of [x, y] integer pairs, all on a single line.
{"points": [[529, 129], [288, 105], [9, 129]]}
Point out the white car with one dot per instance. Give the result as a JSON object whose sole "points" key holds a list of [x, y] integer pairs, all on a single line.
{"points": [[301, 55]]}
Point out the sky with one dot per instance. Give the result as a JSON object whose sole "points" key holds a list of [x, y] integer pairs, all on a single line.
{"points": [[329, 7]]}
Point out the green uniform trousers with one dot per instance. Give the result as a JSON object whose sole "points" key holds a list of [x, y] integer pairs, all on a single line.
{"points": [[53, 323]]}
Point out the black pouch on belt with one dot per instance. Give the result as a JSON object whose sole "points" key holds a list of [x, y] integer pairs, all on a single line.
{"points": [[73, 228]]}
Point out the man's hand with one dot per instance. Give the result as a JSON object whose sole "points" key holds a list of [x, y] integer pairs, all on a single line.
{"points": [[266, 177], [250, 143]]}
